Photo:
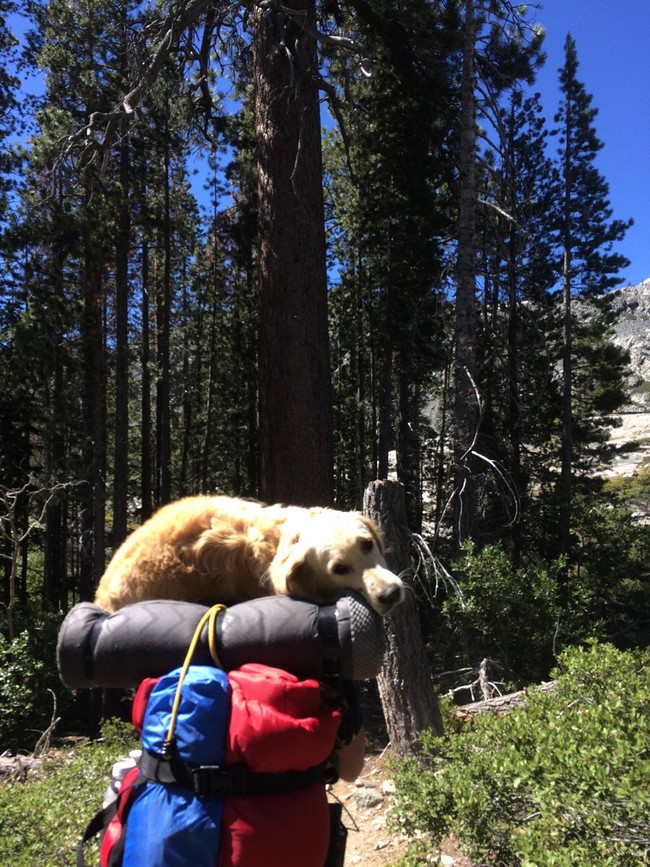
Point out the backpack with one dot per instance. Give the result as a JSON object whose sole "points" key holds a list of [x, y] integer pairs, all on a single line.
{"points": [[232, 774]]}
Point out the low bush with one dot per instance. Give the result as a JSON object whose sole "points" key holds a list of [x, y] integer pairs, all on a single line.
{"points": [[29, 682], [561, 783], [509, 615], [43, 818]]}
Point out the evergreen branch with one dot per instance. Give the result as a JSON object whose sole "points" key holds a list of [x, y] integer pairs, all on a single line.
{"points": [[299, 16], [499, 210], [94, 140], [182, 17]]}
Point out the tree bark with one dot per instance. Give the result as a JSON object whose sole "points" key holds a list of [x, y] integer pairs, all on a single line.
{"points": [[465, 400], [54, 561], [122, 248], [295, 424], [121, 453], [94, 419], [163, 387], [146, 494], [409, 702]]}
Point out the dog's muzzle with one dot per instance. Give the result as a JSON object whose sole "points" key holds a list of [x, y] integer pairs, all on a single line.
{"points": [[384, 589]]}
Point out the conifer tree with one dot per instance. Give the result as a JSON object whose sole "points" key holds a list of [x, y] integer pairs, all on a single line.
{"points": [[296, 451], [387, 227], [586, 236], [516, 261], [499, 47], [15, 402], [9, 119]]}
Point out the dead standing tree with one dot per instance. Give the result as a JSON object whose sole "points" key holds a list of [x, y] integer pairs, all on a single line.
{"points": [[409, 702]]}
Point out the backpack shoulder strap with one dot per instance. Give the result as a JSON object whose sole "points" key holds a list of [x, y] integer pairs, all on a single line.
{"points": [[116, 810], [96, 825]]}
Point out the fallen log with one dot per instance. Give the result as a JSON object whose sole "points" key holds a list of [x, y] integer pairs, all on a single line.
{"points": [[500, 703], [17, 767]]}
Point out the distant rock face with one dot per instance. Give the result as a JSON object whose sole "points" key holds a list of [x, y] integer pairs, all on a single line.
{"points": [[633, 334], [631, 438]]}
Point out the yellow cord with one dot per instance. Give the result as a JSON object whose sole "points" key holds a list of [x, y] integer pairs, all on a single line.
{"points": [[210, 617]]}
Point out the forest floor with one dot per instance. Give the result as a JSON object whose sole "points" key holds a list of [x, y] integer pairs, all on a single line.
{"points": [[372, 842], [366, 806]]}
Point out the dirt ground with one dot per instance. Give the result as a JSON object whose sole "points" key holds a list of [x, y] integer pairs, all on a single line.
{"points": [[366, 804]]}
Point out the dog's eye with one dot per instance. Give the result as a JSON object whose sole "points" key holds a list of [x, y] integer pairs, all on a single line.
{"points": [[340, 569], [366, 545]]}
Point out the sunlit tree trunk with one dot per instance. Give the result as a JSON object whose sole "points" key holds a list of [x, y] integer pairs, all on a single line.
{"points": [[296, 451]]}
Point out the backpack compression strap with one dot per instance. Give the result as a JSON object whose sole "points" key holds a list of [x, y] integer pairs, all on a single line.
{"points": [[234, 781]]}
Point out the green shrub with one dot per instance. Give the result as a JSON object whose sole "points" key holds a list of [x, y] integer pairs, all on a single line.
{"points": [[28, 677], [507, 614], [562, 783], [42, 819]]}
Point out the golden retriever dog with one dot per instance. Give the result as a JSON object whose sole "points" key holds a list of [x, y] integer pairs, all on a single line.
{"points": [[222, 549]]}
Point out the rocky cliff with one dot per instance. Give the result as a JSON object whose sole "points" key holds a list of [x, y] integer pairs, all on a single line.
{"points": [[633, 333]]}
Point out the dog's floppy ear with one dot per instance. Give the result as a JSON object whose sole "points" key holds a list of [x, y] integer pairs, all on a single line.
{"points": [[288, 572], [288, 558], [375, 532]]}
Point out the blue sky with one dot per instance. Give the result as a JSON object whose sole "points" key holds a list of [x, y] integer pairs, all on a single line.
{"points": [[612, 41]]}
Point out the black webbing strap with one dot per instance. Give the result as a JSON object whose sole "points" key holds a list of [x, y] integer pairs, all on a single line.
{"points": [[89, 650], [101, 820], [328, 631], [235, 781], [96, 825]]}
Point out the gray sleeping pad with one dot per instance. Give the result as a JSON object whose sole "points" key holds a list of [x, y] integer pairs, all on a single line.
{"points": [[148, 639]]}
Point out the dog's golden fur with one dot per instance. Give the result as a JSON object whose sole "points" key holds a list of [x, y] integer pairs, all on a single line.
{"points": [[222, 549]]}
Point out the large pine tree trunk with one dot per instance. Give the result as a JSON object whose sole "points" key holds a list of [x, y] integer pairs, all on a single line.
{"points": [[94, 421], [163, 324], [121, 457], [465, 399], [296, 451], [409, 702]]}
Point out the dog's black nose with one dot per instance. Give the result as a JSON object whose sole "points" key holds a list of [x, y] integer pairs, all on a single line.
{"points": [[391, 596]]}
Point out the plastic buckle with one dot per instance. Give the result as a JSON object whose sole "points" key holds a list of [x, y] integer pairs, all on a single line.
{"points": [[211, 781]]}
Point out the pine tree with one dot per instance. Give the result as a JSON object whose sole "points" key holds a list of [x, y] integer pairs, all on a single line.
{"points": [[10, 288], [387, 227], [9, 117], [122, 293], [499, 47], [586, 236], [516, 261]]}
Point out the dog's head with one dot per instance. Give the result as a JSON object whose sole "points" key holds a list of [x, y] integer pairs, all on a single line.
{"points": [[323, 552]]}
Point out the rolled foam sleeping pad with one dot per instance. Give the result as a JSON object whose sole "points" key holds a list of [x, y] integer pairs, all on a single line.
{"points": [[148, 639]]}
